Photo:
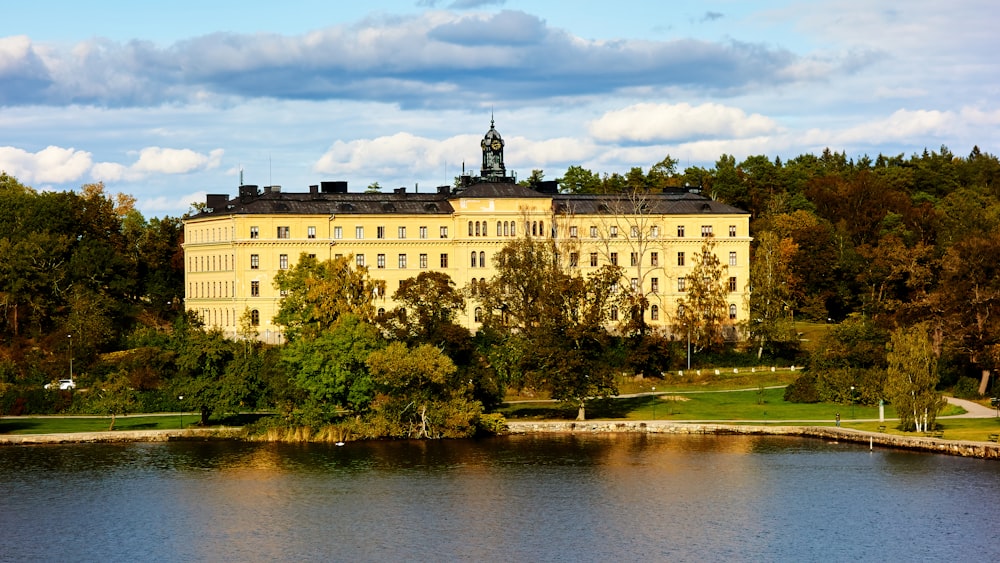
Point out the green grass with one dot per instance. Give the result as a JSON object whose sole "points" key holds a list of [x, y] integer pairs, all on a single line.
{"points": [[62, 425]]}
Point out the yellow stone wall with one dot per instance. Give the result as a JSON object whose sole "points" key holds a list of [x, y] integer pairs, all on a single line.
{"points": [[219, 250]]}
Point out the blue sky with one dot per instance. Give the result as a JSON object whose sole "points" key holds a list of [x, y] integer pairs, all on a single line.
{"points": [[169, 102]]}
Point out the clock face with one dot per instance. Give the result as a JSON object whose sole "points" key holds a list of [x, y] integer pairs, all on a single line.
{"points": [[496, 145]]}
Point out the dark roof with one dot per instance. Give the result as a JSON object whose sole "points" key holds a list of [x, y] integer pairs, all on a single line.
{"points": [[678, 202]]}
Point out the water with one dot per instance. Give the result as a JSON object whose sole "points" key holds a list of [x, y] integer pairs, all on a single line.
{"points": [[582, 498]]}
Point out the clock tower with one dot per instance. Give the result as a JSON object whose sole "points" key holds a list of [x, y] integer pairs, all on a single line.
{"points": [[493, 168]]}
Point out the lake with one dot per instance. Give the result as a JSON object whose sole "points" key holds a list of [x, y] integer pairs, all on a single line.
{"points": [[625, 497]]}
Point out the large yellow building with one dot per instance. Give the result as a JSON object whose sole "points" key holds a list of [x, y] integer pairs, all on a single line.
{"points": [[234, 248]]}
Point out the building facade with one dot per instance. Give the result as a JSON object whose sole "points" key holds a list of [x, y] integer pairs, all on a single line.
{"points": [[234, 248]]}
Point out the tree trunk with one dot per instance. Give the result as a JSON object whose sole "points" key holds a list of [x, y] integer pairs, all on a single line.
{"points": [[112, 427], [204, 416], [423, 422], [984, 382]]}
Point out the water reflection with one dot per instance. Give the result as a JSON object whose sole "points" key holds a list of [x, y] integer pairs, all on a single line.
{"points": [[522, 498]]}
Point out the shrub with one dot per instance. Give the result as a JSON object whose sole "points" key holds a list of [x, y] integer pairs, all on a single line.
{"points": [[803, 390], [967, 388]]}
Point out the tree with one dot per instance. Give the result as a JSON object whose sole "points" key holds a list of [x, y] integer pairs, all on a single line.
{"points": [[578, 180], [771, 299], [911, 377], [703, 313], [330, 367], [419, 394], [556, 320], [116, 397], [318, 293], [428, 306]]}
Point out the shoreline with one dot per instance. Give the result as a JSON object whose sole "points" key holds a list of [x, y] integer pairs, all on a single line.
{"points": [[963, 448]]}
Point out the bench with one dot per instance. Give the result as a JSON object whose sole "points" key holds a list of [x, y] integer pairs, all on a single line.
{"points": [[993, 437], [934, 434], [881, 429]]}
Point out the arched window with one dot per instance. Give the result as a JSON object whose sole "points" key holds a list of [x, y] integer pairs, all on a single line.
{"points": [[499, 229], [534, 228], [470, 228], [654, 313], [482, 259], [381, 311], [506, 228], [254, 317], [541, 228], [473, 259], [512, 233], [479, 314], [473, 287], [477, 228], [732, 311]]}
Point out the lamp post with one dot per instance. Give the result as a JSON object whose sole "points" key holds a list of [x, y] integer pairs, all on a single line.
{"points": [[852, 401], [654, 403], [181, 398], [70, 337]]}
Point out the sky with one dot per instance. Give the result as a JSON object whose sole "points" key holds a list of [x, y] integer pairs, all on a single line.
{"points": [[168, 102]]}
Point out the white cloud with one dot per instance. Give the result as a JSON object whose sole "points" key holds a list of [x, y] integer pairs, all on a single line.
{"points": [[670, 122], [175, 161], [51, 164]]}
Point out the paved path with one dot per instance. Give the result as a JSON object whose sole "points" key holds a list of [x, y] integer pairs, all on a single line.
{"points": [[973, 410]]}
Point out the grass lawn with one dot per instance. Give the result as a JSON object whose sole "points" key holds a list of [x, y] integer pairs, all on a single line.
{"points": [[60, 425]]}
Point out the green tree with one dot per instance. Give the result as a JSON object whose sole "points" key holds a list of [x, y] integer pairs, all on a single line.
{"points": [[330, 367], [578, 180], [116, 397], [771, 300], [318, 293], [911, 378], [703, 312]]}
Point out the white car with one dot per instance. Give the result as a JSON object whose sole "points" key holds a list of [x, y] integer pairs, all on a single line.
{"points": [[64, 384]]}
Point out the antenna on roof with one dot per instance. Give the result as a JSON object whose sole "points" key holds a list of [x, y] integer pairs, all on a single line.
{"points": [[241, 174]]}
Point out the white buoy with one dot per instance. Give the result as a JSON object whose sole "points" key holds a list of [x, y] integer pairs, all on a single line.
{"points": [[871, 443]]}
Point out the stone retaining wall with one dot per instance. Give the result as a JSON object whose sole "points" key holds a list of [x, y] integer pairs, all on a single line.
{"points": [[121, 436], [984, 450]]}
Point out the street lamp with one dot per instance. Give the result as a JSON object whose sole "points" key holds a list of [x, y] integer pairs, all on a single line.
{"points": [[70, 336], [181, 398], [852, 401]]}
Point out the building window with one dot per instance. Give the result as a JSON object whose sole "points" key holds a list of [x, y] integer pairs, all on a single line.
{"points": [[680, 231], [732, 258], [614, 312], [255, 288], [423, 232], [680, 258], [423, 260], [254, 261], [360, 260], [444, 232], [614, 231], [634, 282], [654, 258], [474, 259], [706, 230], [283, 261], [402, 261], [254, 317], [654, 313], [401, 232], [513, 228], [614, 258], [380, 232], [654, 232], [313, 256], [574, 259], [732, 312], [732, 284], [380, 261], [572, 232], [732, 230], [254, 232], [338, 233], [593, 259], [479, 314], [482, 259], [681, 283], [284, 232], [477, 229], [359, 233], [500, 227], [470, 228], [633, 259], [310, 232], [444, 260], [635, 232], [654, 285], [593, 232]]}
